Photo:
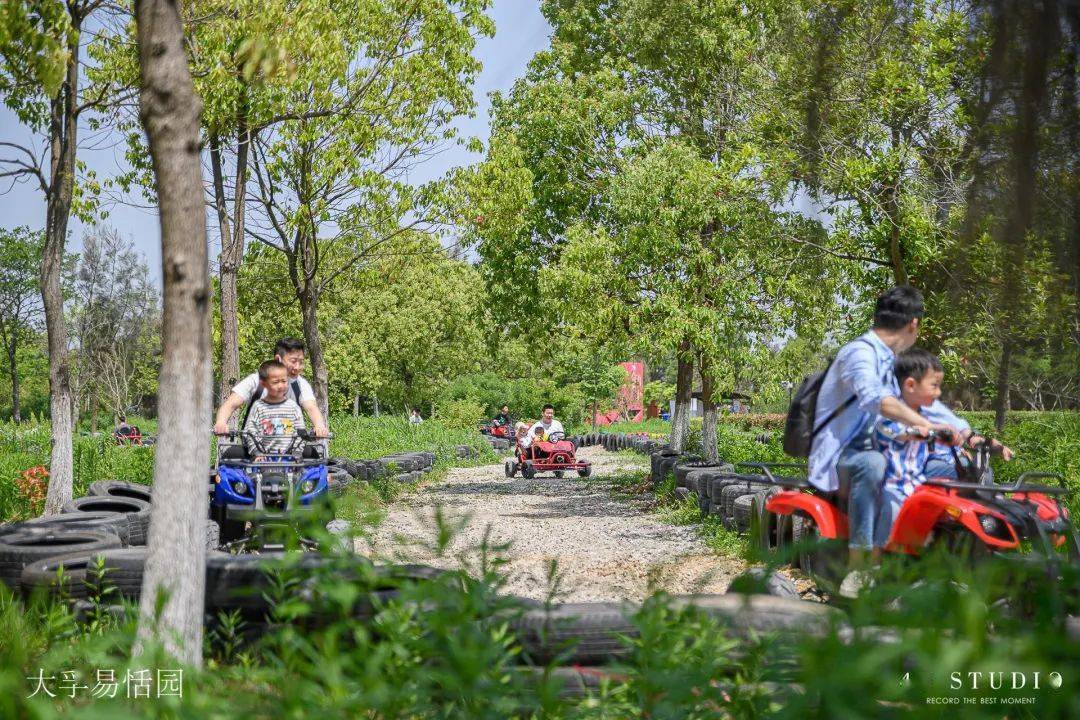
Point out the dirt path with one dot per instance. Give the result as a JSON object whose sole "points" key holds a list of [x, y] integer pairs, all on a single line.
{"points": [[606, 548]]}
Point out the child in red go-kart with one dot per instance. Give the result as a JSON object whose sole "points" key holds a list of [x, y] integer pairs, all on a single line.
{"points": [[908, 453], [543, 448]]}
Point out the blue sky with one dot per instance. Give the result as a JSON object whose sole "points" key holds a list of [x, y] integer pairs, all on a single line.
{"points": [[520, 32]]}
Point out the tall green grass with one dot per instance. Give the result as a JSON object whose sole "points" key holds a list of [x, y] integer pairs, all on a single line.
{"points": [[27, 445]]}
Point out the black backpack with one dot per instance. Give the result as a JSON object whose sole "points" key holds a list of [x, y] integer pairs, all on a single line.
{"points": [[800, 429]]}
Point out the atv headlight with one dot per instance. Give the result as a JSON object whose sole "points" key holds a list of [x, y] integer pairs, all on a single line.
{"points": [[239, 487], [992, 526], [307, 486]]}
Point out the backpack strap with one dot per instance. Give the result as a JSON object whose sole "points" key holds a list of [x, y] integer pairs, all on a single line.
{"points": [[251, 403], [295, 385], [844, 405]]}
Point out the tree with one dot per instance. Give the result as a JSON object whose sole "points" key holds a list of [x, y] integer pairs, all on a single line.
{"points": [[40, 83], [116, 321], [332, 184], [176, 558], [419, 327], [20, 255]]}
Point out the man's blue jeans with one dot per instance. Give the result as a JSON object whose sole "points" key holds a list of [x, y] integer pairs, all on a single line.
{"points": [[862, 471]]}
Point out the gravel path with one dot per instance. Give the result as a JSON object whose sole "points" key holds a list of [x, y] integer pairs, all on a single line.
{"points": [[605, 547]]}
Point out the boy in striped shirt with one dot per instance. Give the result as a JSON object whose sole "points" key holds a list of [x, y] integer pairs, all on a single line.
{"points": [[274, 413], [919, 375]]}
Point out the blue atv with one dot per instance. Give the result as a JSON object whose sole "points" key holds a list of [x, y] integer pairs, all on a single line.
{"points": [[266, 483]]}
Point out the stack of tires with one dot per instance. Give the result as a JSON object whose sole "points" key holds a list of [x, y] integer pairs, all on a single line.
{"points": [[114, 515], [406, 467]]}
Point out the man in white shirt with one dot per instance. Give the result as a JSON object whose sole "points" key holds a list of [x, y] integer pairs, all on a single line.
{"points": [[290, 353], [546, 427]]}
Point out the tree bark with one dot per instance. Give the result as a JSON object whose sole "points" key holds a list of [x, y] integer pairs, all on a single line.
{"points": [[309, 308], [13, 368], [1001, 402], [63, 135], [176, 563], [684, 388], [709, 449], [95, 406], [232, 251]]}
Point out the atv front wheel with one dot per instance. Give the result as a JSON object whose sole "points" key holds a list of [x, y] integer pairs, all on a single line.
{"points": [[559, 474], [585, 471], [528, 471], [511, 468]]}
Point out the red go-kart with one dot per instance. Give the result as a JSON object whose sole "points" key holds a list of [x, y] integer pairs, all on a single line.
{"points": [[555, 455], [973, 517], [497, 429]]}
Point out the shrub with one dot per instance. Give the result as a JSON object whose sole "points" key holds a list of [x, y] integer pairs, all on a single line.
{"points": [[460, 414]]}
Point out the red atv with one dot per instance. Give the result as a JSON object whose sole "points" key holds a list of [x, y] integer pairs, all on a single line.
{"points": [[556, 455], [973, 517]]}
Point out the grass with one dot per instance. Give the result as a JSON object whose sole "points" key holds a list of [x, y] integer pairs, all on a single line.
{"points": [[27, 445]]}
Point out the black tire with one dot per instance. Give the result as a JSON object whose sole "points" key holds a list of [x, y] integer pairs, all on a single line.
{"points": [[527, 470], [760, 581], [337, 482], [743, 510], [17, 550], [116, 523], [745, 615], [510, 468], [43, 577], [585, 471], [137, 512], [730, 493], [574, 633], [559, 474], [763, 524], [685, 466], [120, 488], [825, 560], [213, 535]]}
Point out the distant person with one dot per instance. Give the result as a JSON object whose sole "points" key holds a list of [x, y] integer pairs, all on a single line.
{"points": [[274, 417], [290, 353], [122, 427], [503, 417], [414, 417]]}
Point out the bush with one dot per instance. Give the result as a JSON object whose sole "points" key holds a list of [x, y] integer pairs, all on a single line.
{"points": [[460, 414]]}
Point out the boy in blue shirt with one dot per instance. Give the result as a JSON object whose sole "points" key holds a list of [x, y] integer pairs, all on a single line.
{"points": [[909, 458]]}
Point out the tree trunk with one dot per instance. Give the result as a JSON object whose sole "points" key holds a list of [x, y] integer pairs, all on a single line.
{"points": [[309, 308], [232, 252], [1001, 402], [684, 388], [376, 399], [13, 368], [356, 405], [595, 409], [709, 449], [176, 561], [95, 406], [63, 127]]}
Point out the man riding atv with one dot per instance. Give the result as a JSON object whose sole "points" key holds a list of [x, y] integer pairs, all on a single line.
{"points": [[289, 352], [547, 427]]}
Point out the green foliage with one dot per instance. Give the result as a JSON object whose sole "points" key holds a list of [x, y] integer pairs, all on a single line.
{"points": [[525, 395], [460, 414]]}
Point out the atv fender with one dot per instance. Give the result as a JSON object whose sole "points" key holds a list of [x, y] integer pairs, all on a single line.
{"points": [[925, 508], [830, 521]]}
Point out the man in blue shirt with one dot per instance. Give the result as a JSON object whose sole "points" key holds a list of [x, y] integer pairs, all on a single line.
{"points": [[860, 387]]}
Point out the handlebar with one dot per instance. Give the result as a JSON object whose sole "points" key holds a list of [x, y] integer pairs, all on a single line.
{"points": [[304, 434]]}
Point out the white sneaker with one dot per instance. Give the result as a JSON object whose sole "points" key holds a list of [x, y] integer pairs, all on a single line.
{"points": [[855, 582]]}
